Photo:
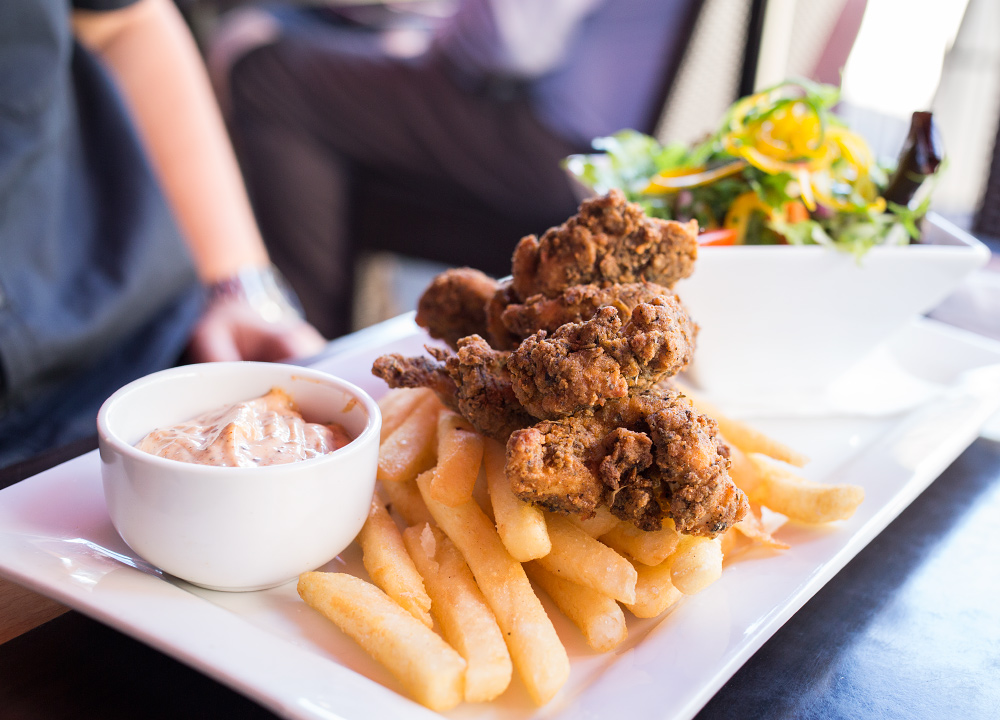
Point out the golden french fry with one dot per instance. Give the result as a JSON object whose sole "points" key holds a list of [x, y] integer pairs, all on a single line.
{"points": [[481, 492], [654, 591], [535, 648], [732, 542], [696, 563], [746, 438], [742, 471], [752, 528], [601, 522], [521, 525], [391, 400], [579, 558], [462, 612], [427, 667], [647, 547], [598, 616], [390, 566], [459, 455], [396, 406], [799, 499], [411, 447], [404, 498]]}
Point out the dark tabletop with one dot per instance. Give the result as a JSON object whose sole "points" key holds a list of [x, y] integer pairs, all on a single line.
{"points": [[909, 629]]}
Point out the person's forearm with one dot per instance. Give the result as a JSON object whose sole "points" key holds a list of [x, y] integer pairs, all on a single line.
{"points": [[157, 66]]}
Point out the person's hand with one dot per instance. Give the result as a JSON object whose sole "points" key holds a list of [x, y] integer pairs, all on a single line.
{"points": [[231, 329]]}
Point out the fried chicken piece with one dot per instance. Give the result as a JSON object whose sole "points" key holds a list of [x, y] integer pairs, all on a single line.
{"points": [[694, 460], [472, 381], [570, 371], [454, 305], [552, 464], [486, 397], [647, 456], [418, 372], [499, 334], [582, 365], [609, 241], [518, 320], [564, 276]]}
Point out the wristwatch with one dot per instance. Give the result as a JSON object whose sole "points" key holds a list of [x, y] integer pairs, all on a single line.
{"points": [[263, 289]]}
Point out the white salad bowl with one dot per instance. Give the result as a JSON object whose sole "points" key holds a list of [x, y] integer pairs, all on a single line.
{"points": [[779, 324], [236, 528]]}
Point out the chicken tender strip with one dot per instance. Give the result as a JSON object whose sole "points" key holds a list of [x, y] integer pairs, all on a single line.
{"points": [[454, 305], [474, 382], [501, 338], [608, 241], [518, 320], [418, 372], [648, 457], [582, 365]]}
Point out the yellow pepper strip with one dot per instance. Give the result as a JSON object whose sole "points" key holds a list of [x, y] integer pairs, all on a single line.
{"points": [[792, 132], [670, 181], [779, 134], [739, 212], [852, 148], [774, 166], [832, 201], [806, 188]]}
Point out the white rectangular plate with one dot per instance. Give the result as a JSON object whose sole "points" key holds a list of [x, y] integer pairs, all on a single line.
{"points": [[55, 537]]}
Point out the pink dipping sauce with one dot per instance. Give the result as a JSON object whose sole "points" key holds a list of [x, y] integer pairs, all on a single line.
{"points": [[265, 431]]}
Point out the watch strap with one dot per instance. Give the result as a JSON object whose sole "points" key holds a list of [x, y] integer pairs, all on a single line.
{"points": [[262, 288]]}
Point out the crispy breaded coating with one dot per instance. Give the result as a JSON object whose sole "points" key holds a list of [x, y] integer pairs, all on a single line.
{"points": [[417, 372], [609, 241], [582, 365], [454, 305], [473, 382], [570, 371], [701, 497], [486, 397], [501, 337], [551, 464], [647, 456], [574, 304]]}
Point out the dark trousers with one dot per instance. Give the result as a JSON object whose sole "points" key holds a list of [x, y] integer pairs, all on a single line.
{"points": [[344, 149]]}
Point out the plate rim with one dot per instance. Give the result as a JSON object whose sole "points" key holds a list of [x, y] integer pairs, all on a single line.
{"points": [[286, 700]]}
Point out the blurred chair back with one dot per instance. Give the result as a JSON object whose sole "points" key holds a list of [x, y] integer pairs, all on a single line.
{"points": [[738, 46], [439, 224], [729, 39]]}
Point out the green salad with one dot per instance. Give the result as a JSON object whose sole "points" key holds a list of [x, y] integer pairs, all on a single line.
{"points": [[780, 169]]}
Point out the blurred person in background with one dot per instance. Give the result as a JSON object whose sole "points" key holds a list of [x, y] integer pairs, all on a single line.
{"points": [[125, 233], [324, 113]]}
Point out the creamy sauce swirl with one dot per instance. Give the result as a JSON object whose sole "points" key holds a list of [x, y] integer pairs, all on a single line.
{"points": [[268, 430]]}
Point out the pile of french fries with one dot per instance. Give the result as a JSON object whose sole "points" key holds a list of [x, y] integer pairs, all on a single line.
{"points": [[454, 558]]}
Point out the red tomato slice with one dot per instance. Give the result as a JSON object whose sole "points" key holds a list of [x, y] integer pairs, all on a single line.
{"points": [[722, 236]]}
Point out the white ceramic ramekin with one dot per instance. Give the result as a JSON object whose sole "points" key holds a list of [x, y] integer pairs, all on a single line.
{"points": [[229, 528]]}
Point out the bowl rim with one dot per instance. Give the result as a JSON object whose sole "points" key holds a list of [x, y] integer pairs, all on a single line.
{"points": [[370, 433], [959, 241]]}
